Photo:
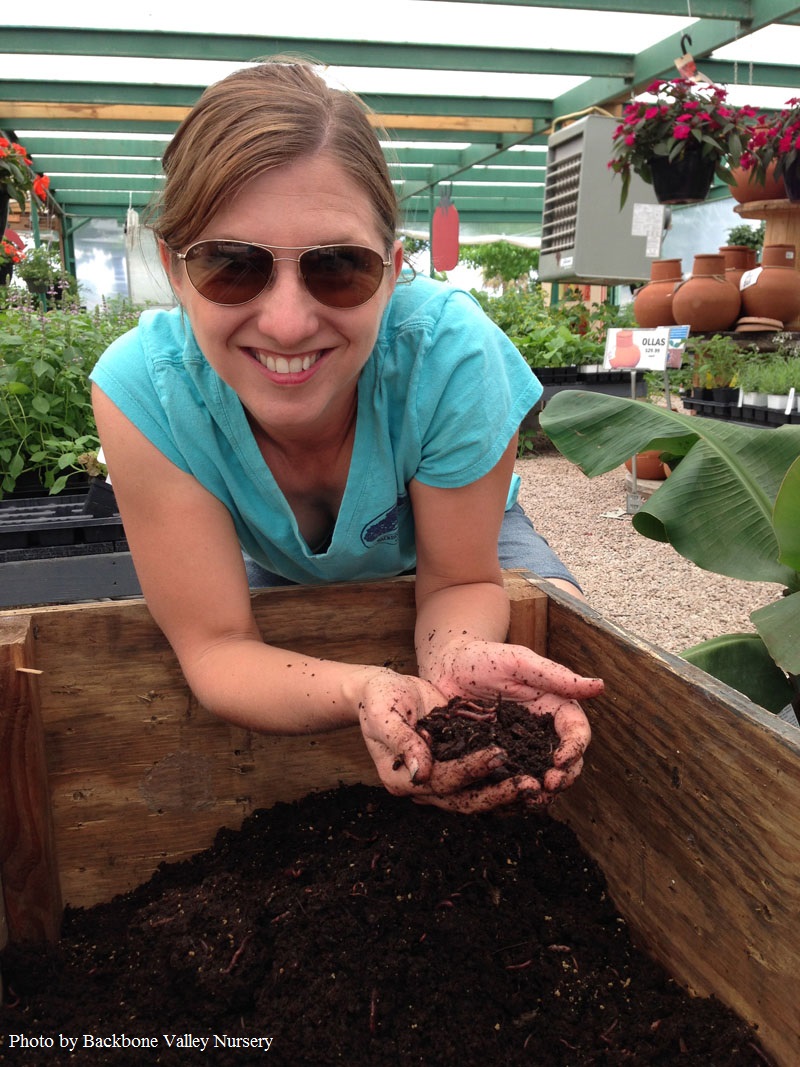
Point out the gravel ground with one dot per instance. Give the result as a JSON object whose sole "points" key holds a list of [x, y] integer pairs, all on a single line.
{"points": [[641, 585]]}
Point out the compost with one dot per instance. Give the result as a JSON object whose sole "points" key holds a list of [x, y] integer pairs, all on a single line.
{"points": [[356, 928], [461, 726]]}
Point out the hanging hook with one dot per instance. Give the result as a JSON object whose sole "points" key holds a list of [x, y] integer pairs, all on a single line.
{"points": [[685, 39]]}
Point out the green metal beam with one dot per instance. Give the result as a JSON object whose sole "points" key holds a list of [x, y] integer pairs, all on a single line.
{"points": [[658, 61], [244, 49], [54, 165], [105, 183], [679, 8], [95, 146]]}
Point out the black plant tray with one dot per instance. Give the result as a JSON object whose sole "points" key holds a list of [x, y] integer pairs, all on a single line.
{"points": [[56, 521], [760, 416], [556, 375]]}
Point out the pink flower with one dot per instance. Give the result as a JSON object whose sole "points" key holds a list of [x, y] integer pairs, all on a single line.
{"points": [[681, 131]]}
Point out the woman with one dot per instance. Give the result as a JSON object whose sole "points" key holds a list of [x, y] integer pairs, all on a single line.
{"points": [[304, 406]]}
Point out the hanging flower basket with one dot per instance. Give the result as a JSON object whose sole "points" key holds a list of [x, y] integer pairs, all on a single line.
{"points": [[684, 180], [683, 123]]}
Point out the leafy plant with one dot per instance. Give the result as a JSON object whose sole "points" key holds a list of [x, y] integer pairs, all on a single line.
{"points": [[776, 376], [41, 269], [46, 420], [775, 140], [17, 177], [684, 117], [563, 335], [731, 506], [749, 236], [717, 360], [503, 262]]}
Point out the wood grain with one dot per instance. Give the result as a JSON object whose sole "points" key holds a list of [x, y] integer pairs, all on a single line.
{"points": [[689, 801], [30, 879]]}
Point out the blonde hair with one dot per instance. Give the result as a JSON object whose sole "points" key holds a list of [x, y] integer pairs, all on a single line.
{"points": [[256, 119]]}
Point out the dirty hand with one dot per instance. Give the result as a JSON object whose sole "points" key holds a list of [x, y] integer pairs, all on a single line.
{"points": [[482, 669], [389, 709]]}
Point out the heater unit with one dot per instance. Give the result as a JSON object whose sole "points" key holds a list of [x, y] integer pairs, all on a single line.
{"points": [[586, 237]]}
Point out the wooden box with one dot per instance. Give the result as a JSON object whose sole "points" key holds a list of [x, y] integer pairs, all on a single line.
{"points": [[690, 799]]}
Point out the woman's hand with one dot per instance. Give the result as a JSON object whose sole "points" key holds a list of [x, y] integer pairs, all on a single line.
{"points": [[482, 669], [393, 703], [389, 709]]}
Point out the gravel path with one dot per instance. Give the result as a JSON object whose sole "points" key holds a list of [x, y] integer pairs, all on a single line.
{"points": [[642, 585]]}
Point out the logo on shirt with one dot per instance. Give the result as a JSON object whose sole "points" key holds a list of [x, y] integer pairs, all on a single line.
{"points": [[384, 529]]}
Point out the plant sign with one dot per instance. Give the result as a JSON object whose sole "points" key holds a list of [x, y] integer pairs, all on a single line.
{"points": [[654, 349]]}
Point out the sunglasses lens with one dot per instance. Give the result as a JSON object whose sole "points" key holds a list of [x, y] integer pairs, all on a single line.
{"points": [[341, 276], [229, 272]]}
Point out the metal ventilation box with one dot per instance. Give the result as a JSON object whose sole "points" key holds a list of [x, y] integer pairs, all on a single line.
{"points": [[585, 235]]}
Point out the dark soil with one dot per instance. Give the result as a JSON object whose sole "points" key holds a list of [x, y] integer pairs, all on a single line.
{"points": [[357, 928], [463, 726]]}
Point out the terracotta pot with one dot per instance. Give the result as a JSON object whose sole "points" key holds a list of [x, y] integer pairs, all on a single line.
{"points": [[745, 190], [652, 304], [738, 259], [649, 466], [774, 290], [707, 301]]}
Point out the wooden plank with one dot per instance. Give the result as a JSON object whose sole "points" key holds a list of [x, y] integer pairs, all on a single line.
{"points": [[22, 109], [140, 773], [529, 602], [30, 880], [689, 801]]}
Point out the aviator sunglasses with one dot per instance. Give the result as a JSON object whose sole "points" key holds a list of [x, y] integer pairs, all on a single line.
{"points": [[234, 272]]}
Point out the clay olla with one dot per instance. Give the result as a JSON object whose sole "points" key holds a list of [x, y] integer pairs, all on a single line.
{"points": [[707, 301]]}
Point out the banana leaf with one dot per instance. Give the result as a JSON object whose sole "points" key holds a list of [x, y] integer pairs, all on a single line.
{"points": [[743, 662], [716, 509], [779, 623]]}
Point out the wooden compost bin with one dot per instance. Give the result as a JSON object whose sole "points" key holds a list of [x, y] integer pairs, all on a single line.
{"points": [[690, 799]]}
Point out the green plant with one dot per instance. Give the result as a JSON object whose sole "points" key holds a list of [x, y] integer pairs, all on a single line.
{"points": [[717, 361], [775, 376], [775, 140], [749, 236], [40, 267], [563, 335], [731, 506], [10, 255], [502, 262], [749, 374], [17, 178], [47, 424], [684, 117]]}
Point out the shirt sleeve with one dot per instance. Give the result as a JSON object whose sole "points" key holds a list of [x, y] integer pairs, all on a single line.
{"points": [[473, 391]]}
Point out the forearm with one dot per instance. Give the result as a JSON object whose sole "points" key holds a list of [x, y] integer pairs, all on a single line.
{"points": [[450, 617], [273, 690]]}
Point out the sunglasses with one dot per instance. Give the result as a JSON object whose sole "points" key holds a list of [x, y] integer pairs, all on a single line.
{"points": [[233, 272]]}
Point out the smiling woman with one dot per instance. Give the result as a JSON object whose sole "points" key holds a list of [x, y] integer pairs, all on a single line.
{"points": [[316, 407]]}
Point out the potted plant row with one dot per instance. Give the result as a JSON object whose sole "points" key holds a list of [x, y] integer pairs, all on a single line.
{"points": [[738, 382]]}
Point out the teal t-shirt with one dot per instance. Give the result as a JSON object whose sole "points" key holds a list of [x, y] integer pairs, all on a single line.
{"points": [[439, 398]]}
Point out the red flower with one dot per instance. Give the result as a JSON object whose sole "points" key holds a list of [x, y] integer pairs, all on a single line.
{"points": [[40, 186], [681, 131]]}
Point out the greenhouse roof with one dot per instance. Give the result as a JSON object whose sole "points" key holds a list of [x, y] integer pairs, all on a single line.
{"points": [[467, 92]]}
